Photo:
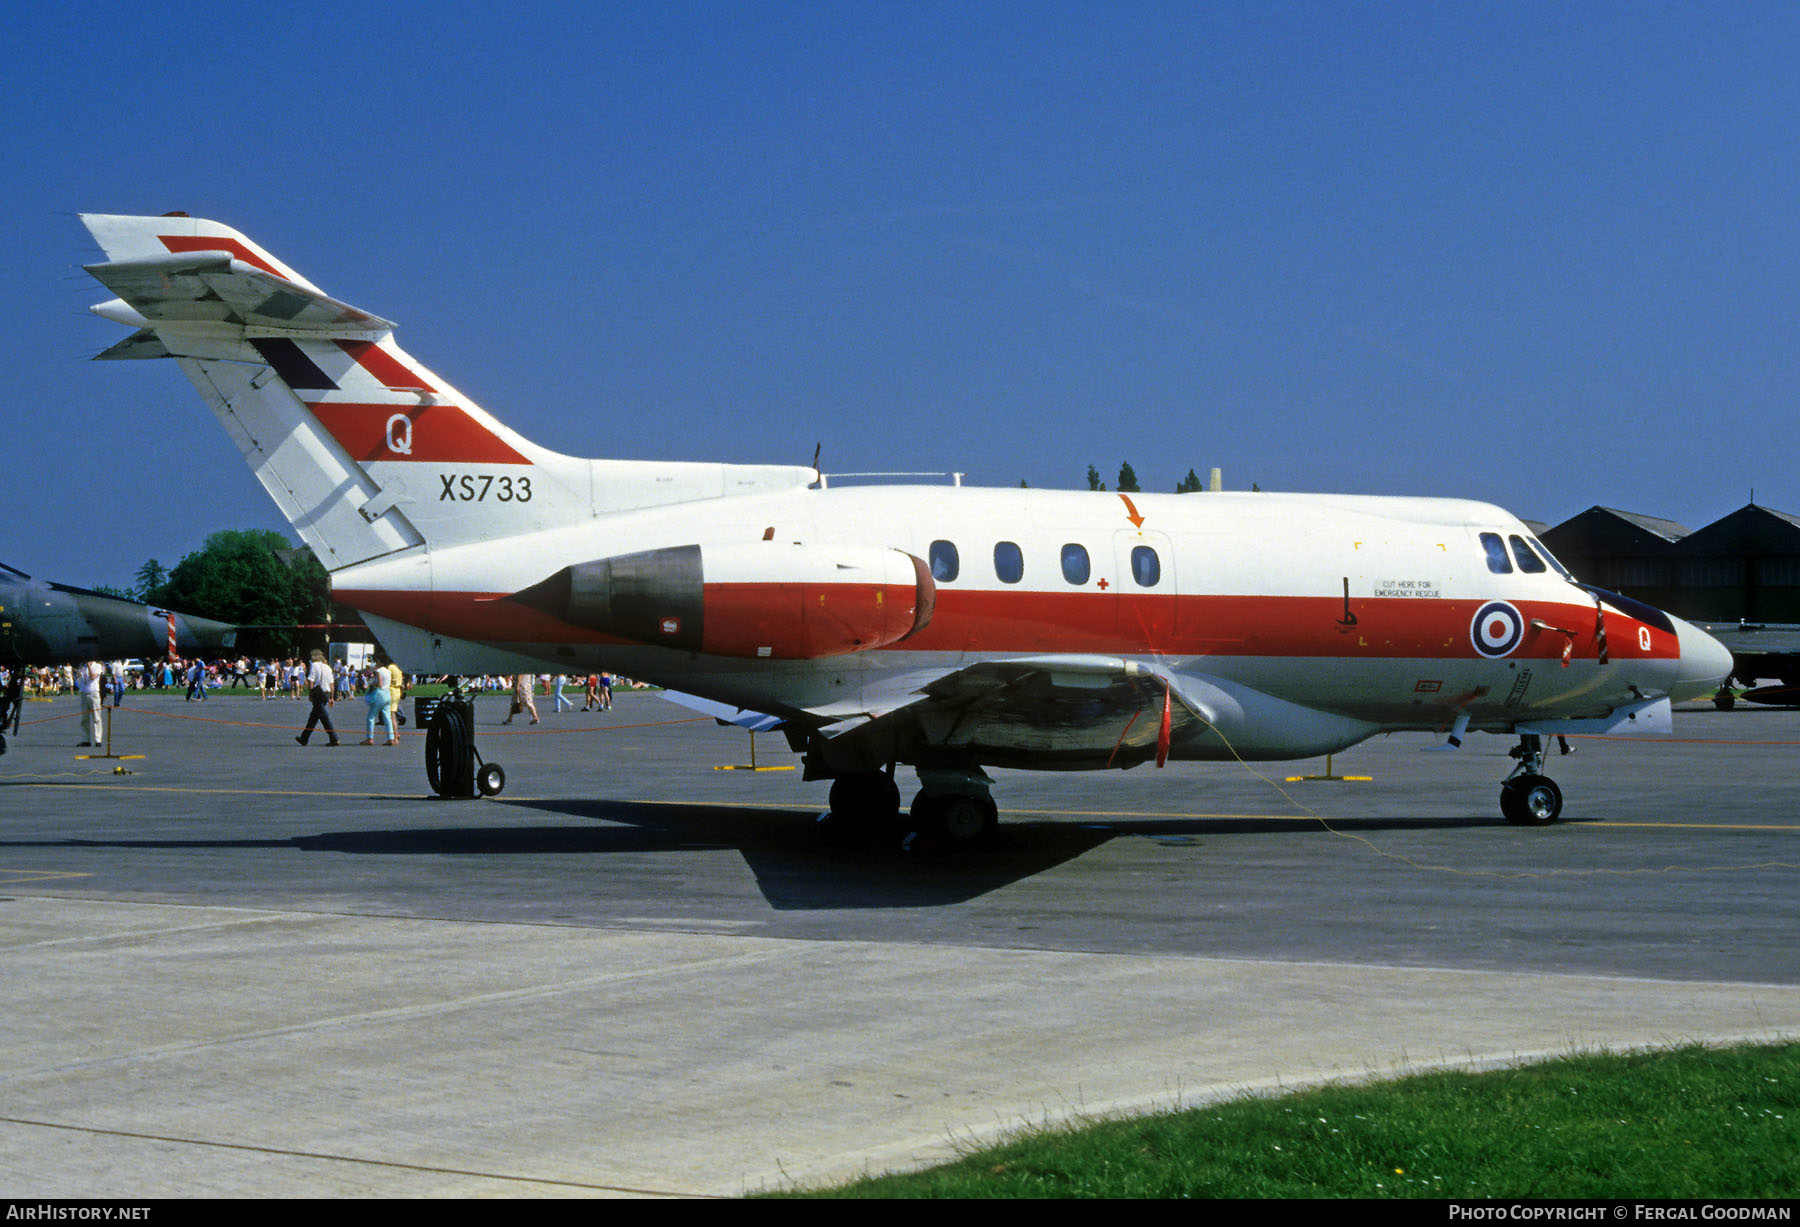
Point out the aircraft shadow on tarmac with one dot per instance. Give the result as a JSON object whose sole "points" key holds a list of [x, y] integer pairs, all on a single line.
{"points": [[796, 868]]}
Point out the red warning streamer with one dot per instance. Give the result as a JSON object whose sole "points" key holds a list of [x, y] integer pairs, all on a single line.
{"points": [[1162, 734]]}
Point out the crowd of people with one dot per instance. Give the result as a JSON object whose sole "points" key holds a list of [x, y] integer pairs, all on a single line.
{"points": [[380, 683], [285, 678]]}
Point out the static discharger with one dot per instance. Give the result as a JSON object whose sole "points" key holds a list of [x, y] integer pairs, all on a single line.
{"points": [[752, 765], [1336, 779]]}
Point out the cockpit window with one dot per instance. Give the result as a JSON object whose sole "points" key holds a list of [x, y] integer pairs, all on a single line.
{"points": [[1009, 562], [1529, 562], [1550, 558], [944, 563], [1497, 560]]}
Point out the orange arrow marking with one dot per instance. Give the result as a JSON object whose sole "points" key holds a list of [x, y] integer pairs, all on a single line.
{"points": [[1131, 513]]}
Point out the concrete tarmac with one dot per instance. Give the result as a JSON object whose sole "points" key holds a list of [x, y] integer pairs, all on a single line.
{"points": [[248, 968]]}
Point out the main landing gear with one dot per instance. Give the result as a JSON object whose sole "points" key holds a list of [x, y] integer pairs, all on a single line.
{"points": [[1528, 797], [953, 808]]}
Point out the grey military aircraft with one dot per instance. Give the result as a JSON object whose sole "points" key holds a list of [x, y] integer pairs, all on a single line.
{"points": [[46, 623]]}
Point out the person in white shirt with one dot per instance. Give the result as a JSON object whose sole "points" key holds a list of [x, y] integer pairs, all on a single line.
{"points": [[87, 681], [318, 680]]}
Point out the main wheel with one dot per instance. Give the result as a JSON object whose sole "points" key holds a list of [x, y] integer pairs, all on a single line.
{"points": [[1531, 800], [865, 796], [963, 820], [925, 810]]}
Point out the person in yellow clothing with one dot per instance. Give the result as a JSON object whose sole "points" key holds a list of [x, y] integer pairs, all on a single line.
{"points": [[396, 695]]}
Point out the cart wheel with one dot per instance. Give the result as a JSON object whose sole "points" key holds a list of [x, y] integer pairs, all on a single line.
{"points": [[490, 779]]}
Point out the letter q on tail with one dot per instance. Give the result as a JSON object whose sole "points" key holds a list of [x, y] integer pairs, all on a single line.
{"points": [[400, 435]]}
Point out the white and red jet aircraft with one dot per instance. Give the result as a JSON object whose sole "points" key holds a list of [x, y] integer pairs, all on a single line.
{"points": [[946, 628]]}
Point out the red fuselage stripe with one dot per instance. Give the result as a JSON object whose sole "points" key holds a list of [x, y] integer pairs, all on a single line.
{"points": [[1116, 624]]}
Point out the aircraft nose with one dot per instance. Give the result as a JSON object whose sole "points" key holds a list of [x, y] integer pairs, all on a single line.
{"points": [[1705, 663]]}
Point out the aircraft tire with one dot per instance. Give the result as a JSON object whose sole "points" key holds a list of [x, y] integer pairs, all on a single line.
{"points": [[490, 779], [450, 753], [924, 810], [959, 820], [1531, 801], [865, 796], [965, 820]]}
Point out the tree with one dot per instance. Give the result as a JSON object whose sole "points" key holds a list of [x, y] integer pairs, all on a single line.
{"points": [[1190, 484], [1094, 482], [1128, 483], [249, 578], [150, 577]]}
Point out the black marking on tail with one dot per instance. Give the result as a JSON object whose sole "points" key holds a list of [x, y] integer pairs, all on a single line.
{"points": [[291, 364]]}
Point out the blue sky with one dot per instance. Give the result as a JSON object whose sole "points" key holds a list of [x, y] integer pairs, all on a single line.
{"points": [[1538, 254]]}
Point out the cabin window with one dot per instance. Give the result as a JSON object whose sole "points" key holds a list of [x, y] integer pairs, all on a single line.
{"points": [[1146, 567], [1076, 568], [944, 563], [1529, 562], [1497, 560], [1009, 562]]}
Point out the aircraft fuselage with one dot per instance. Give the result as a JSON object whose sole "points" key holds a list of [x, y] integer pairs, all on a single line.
{"points": [[1360, 613]]}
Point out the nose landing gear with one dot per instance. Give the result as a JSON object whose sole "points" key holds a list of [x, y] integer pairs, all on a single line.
{"points": [[1528, 797]]}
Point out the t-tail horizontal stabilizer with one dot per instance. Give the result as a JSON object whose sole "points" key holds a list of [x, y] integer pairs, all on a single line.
{"points": [[366, 451]]}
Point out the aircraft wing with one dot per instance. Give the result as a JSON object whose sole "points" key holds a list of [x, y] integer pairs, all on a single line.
{"points": [[1091, 710], [725, 713], [215, 286]]}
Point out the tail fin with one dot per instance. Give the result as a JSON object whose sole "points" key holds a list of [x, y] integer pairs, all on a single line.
{"points": [[364, 450]]}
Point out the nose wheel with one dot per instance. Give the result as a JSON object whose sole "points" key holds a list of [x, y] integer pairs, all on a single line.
{"points": [[1528, 797], [1531, 800]]}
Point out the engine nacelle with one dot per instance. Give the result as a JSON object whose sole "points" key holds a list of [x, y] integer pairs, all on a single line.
{"points": [[760, 599]]}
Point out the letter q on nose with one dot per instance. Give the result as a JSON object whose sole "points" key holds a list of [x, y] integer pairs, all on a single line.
{"points": [[400, 435]]}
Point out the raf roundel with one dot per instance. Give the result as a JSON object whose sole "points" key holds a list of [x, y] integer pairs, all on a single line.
{"points": [[1496, 629]]}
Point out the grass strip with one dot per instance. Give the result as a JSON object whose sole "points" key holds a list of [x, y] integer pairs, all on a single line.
{"points": [[1689, 1123]]}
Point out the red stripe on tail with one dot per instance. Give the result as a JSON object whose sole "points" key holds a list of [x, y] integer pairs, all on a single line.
{"points": [[207, 242]]}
